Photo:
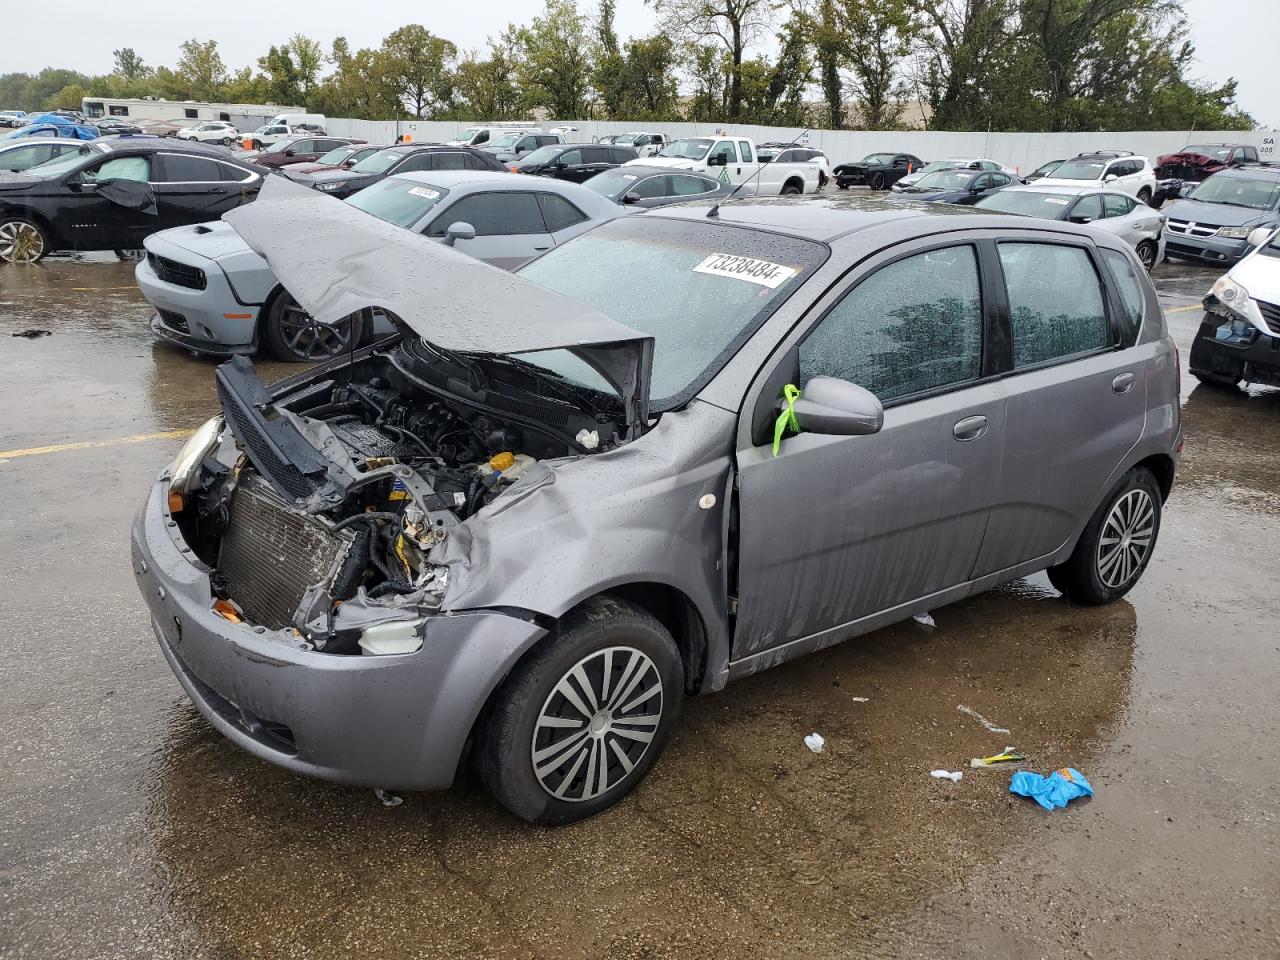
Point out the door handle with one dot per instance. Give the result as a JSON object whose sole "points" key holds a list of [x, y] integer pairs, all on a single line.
{"points": [[547, 247], [970, 428], [1123, 383]]}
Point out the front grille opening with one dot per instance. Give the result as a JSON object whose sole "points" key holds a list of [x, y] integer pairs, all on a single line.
{"points": [[179, 274], [174, 321]]}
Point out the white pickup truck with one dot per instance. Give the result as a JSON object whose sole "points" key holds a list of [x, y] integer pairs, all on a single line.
{"points": [[733, 160]]}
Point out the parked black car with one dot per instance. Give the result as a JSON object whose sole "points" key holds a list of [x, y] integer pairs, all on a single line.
{"points": [[114, 192], [578, 162], [402, 158], [645, 187], [879, 171], [964, 187], [114, 125]]}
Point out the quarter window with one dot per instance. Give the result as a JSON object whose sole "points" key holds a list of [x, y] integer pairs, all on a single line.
{"points": [[494, 214], [1131, 297], [685, 186], [558, 212], [1055, 302], [913, 326]]}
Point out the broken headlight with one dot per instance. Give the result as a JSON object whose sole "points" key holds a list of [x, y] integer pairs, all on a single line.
{"points": [[186, 467]]}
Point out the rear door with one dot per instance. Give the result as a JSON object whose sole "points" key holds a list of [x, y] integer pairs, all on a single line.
{"points": [[833, 530], [509, 227], [1076, 398], [192, 189]]}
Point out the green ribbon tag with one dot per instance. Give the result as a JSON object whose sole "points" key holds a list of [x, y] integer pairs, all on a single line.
{"points": [[787, 418]]}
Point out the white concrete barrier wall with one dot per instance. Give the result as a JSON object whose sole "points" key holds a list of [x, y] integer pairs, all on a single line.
{"points": [[1025, 151]]}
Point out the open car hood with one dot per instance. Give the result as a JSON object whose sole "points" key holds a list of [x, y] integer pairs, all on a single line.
{"points": [[1189, 160], [336, 260]]}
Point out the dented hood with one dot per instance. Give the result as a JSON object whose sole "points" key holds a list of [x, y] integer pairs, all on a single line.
{"points": [[336, 260]]}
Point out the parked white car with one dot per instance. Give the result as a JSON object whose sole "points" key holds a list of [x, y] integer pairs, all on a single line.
{"points": [[1114, 170], [733, 160], [210, 131], [1110, 210], [1239, 337], [954, 163], [795, 153]]}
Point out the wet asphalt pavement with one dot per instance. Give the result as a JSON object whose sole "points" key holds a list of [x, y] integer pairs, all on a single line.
{"points": [[128, 828]]}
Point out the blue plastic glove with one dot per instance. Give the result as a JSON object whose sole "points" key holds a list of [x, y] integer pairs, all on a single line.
{"points": [[1056, 790]]}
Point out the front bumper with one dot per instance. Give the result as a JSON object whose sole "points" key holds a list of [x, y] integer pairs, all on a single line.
{"points": [[1257, 362], [1204, 249], [851, 178], [207, 321], [398, 722]]}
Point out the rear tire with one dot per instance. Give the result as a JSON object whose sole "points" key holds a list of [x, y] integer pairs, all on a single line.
{"points": [[23, 240], [605, 687], [1147, 253], [225, 141], [1117, 544], [791, 188], [295, 337]]}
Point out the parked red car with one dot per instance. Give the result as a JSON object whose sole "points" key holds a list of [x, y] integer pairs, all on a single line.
{"points": [[299, 150], [339, 158]]}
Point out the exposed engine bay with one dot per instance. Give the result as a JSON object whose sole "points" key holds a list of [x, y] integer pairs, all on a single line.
{"points": [[318, 507]]}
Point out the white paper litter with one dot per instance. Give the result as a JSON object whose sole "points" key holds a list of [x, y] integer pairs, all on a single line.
{"points": [[924, 619], [388, 798], [947, 775], [815, 742], [860, 699], [991, 727]]}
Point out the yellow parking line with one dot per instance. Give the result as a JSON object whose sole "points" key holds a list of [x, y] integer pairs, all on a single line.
{"points": [[1189, 306], [93, 444]]}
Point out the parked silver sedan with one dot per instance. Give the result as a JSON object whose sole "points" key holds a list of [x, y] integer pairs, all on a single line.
{"points": [[213, 295], [1110, 210]]}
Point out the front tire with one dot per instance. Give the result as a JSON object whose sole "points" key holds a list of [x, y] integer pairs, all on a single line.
{"points": [[1117, 544], [23, 240], [1144, 196], [584, 717], [1147, 252], [877, 181], [295, 337]]}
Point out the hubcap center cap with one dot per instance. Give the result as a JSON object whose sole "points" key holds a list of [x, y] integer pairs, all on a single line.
{"points": [[600, 722]]}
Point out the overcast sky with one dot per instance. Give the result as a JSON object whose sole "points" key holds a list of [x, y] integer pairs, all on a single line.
{"points": [[1233, 37]]}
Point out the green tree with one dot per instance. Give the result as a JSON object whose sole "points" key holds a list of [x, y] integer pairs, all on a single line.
{"points": [[201, 69], [610, 72], [708, 68], [420, 66], [649, 84], [554, 66], [484, 86], [69, 97], [129, 65], [879, 35], [733, 24], [308, 58], [280, 76]]}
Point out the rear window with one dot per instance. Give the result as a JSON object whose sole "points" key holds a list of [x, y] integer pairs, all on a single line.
{"points": [[1028, 203], [718, 284], [397, 201]]}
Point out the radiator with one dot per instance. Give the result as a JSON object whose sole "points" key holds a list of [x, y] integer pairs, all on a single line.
{"points": [[271, 555]]}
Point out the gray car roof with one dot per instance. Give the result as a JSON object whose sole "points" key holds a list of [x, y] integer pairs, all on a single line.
{"points": [[1083, 188], [592, 203]]}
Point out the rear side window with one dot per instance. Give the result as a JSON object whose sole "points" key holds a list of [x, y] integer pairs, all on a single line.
{"points": [[180, 169], [595, 155], [687, 186], [448, 161], [1131, 297], [1055, 301], [622, 154], [558, 212], [494, 215], [913, 326], [1115, 205], [477, 163], [745, 147]]}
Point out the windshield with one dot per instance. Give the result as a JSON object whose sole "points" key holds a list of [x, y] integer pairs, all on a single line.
{"points": [[63, 164], [687, 149], [467, 134], [336, 155], [1050, 166], [885, 158], [718, 284], [380, 162], [542, 155], [611, 183], [944, 180], [1080, 170], [506, 140], [1217, 151], [1238, 192], [1029, 203], [397, 201]]}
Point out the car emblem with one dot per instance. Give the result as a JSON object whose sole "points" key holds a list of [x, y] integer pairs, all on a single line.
{"points": [[1191, 225]]}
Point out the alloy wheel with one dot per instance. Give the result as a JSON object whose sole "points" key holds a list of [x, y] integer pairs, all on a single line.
{"points": [[1126, 538], [1146, 255], [597, 723], [20, 242], [309, 339]]}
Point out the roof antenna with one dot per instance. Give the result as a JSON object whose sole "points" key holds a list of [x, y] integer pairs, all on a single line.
{"points": [[714, 212]]}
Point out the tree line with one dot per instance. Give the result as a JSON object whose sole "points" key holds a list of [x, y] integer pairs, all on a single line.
{"points": [[1017, 65]]}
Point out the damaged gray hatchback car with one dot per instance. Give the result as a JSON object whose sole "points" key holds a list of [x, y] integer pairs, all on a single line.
{"points": [[684, 447]]}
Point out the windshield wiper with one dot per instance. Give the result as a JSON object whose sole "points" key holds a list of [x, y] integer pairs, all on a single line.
{"points": [[475, 376]]}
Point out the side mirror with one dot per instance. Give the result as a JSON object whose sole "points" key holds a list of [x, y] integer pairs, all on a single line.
{"points": [[289, 152], [1109, 178], [459, 230], [1080, 218], [631, 197], [719, 160], [1258, 235], [838, 408]]}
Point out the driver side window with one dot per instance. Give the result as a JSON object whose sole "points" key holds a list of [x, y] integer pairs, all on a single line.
{"points": [[914, 325], [121, 168], [727, 151]]}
